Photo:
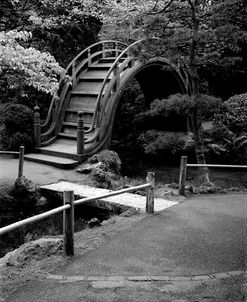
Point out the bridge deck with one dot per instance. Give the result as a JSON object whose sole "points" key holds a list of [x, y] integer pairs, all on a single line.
{"points": [[126, 199]]}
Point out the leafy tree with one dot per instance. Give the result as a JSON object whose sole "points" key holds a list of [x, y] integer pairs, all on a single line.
{"points": [[191, 37]]}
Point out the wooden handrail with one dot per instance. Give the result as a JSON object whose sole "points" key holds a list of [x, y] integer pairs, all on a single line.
{"points": [[32, 219], [68, 203]]}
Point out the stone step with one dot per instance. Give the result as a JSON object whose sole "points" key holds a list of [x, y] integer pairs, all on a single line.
{"points": [[56, 161]]}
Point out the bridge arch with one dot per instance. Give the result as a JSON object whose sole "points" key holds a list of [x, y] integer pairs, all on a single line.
{"points": [[157, 79]]}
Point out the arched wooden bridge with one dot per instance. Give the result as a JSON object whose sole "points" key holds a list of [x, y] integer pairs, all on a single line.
{"points": [[81, 115]]}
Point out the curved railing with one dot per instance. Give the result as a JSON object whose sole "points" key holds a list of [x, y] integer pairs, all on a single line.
{"points": [[114, 68], [59, 102]]}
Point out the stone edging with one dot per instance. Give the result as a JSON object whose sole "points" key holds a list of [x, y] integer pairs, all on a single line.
{"points": [[144, 278]]}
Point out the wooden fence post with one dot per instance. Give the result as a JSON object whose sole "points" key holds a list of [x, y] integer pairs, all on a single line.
{"points": [[37, 127], [182, 175], [80, 134], [150, 192], [68, 224], [21, 161]]}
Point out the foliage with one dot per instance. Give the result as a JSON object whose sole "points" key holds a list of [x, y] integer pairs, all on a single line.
{"points": [[32, 35], [234, 114], [26, 66], [162, 144], [131, 103], [223, 146], [184, 105], [17, 128]]}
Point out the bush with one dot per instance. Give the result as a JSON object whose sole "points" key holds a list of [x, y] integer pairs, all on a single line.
{"points": [[17, 128], [234, 114], [163, 144]]}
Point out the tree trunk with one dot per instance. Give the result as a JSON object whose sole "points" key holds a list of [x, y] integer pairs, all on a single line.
{"points": [[196, 126]]}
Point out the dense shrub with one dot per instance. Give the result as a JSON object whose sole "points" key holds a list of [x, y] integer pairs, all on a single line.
{"points": [[234, 114], [162, 144], [16, 128]]}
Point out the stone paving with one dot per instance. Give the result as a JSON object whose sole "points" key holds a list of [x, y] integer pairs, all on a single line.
{"points": [[126, 199], [144, 278]]}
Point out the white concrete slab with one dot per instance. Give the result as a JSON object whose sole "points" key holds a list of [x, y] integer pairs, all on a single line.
{"points": [[127, 199]]}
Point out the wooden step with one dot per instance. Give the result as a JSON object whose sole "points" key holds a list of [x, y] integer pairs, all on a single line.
{"points": [[56, 161], [110, 59], [85, 104], [83, 93], [92, 85], [96, 74], [74, 124], [103, 64], [99, 67], [71, 114]]}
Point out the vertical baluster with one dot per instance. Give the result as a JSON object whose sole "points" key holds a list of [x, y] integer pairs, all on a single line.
{"points": [[116, 49], [103, 50], [89, 57], [117, 76]]}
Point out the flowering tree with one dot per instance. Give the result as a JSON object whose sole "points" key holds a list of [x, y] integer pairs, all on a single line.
{"points": [[20, 66]]}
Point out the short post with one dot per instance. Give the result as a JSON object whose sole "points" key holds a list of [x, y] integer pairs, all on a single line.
{"points": [[182, 175], [80, 134], [150, 192], [37, 127], [68, 224], [21, 161]]}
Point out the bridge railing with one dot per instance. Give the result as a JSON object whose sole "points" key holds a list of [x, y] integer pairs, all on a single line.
{"points": [[68, 211], [183, 171], [83, 60], [116, 68]]}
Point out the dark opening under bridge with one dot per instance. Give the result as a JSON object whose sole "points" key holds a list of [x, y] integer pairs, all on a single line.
{"points": [[81, 115]]}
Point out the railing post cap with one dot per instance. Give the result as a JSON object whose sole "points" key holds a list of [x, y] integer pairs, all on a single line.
{"points": [[80, 114]]}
